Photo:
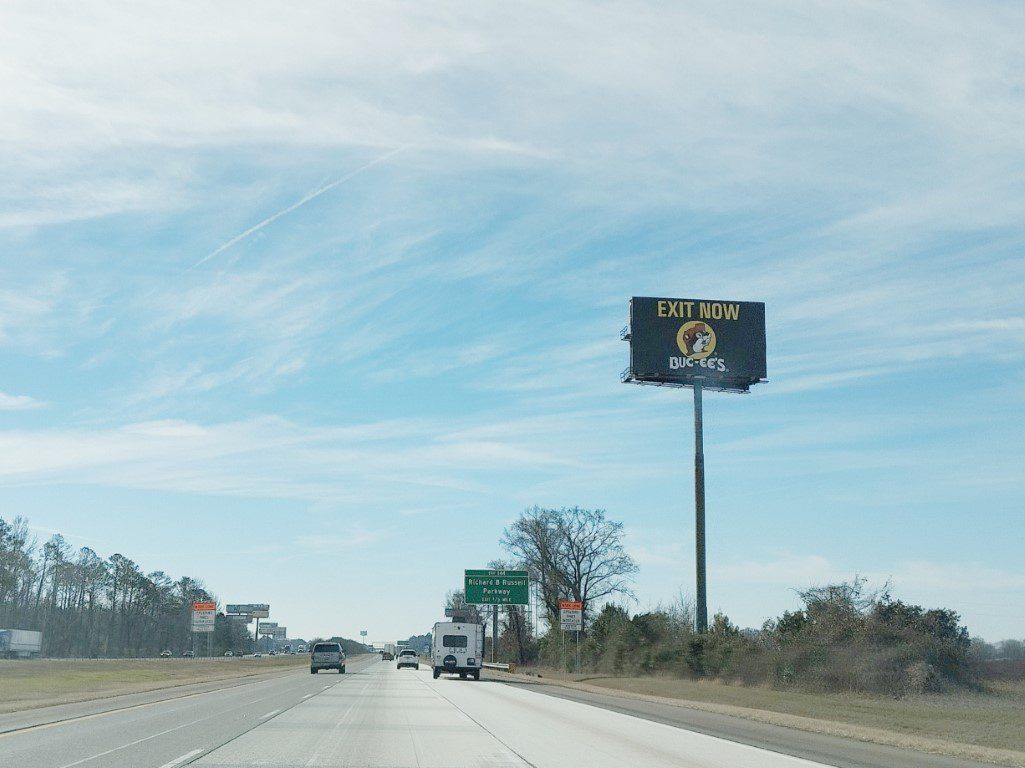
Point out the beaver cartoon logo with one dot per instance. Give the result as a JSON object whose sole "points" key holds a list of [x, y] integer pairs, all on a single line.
{"points": [[696, 339]]}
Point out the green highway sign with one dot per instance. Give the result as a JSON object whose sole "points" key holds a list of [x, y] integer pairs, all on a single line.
{"points": [[497, 587]]}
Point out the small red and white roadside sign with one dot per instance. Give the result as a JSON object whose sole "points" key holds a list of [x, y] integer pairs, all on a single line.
{"points": [[204, 616], [571, 615]]}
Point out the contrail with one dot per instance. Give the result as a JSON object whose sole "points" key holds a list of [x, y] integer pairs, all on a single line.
{"points": [[299, 203]]}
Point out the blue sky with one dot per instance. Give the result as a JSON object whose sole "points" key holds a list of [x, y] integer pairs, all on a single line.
{"points": [[310, 305]]}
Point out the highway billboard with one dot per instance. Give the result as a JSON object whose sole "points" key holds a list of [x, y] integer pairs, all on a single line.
{"points": [[256, 610], [682, 342]]}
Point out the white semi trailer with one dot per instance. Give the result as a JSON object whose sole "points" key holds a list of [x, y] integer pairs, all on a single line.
{"points": [[458, 648], [20, 643]]}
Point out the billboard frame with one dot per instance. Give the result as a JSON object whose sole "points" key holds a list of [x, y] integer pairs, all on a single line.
{"points": [[741, 327]]}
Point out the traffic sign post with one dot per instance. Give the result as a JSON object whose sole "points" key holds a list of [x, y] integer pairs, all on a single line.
{"points": [[204, 620], [571, 619], [494, 588]]}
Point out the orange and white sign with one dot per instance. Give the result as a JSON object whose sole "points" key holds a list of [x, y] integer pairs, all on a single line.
{"points": [[571, 615], [204, 616]]}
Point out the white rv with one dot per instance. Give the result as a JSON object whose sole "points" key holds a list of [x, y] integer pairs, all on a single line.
{"points": [[458, 648]]}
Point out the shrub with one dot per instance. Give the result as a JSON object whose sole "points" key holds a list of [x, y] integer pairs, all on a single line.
{"points": [[843, 639]]}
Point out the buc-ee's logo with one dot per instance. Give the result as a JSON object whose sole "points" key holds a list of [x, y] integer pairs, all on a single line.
{"points": [[696, 341]]}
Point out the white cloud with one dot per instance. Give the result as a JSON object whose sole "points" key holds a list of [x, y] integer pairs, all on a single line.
{"points": [[687, 98], [18, 402], [381, 463], [357, 536]]}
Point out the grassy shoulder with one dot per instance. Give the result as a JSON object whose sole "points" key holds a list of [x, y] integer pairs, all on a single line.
{"points": [[986, 726], [40, 683]]}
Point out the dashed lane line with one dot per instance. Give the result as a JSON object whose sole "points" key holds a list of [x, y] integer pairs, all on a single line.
{"points": [[179, 760]]}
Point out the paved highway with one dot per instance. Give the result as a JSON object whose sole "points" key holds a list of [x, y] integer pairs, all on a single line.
{"points": [[376, 717], [163, 733]]}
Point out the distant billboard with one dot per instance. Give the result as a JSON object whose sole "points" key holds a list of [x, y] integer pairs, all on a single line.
{"points": [[256, 610], [279, 633], [268, 627], [682, 342]]}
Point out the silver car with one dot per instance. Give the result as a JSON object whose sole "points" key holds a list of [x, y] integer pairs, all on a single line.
{"points": [[327, 656]]}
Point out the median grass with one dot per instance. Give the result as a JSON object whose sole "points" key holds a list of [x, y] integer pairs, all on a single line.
{"points": [[39, 683], [985, 725]]}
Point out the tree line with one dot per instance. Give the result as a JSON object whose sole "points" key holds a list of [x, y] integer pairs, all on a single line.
{"points": [[93, 607], [843, 638]]}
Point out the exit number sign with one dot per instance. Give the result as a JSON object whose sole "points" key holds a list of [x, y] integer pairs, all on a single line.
{"points": [[497, 587]]}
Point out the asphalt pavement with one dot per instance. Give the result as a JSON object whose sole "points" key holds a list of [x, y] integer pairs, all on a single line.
{"points": [[376, 716]]}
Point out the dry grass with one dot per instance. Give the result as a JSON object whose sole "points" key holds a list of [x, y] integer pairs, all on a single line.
{"points": [[31, 684], [995, 719], [987, 725]]}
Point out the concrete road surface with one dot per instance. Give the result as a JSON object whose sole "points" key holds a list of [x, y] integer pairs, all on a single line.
{"points": [[162, 734], [385, 718], [380, 717]]}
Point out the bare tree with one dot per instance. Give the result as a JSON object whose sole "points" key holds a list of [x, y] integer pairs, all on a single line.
{"points": [[572, 554], [516, 637]]}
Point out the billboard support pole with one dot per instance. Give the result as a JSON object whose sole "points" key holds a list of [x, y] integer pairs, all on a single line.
{"points": [[256, 637], [701, 618]]}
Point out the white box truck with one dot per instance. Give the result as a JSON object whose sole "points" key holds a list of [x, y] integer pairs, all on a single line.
{"points": [[458, 648], [20, 643]]}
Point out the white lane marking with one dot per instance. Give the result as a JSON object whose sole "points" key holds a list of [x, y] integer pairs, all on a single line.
{"points": [[179, 760], [307, 696], [163, 733], [269, 714], [155, 735], [172, 700]]}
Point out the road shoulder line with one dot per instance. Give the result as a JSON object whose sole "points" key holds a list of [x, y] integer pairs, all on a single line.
{"points": [[931, 752]]}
